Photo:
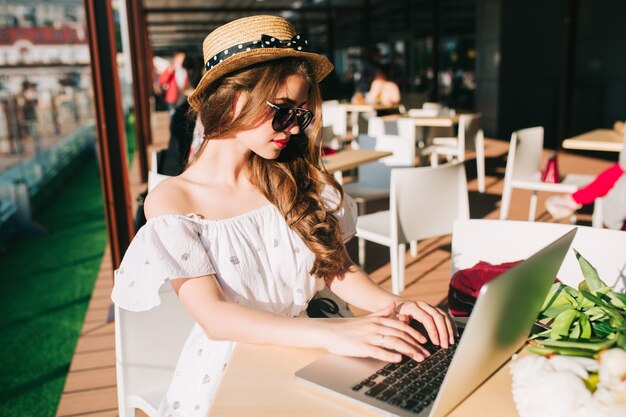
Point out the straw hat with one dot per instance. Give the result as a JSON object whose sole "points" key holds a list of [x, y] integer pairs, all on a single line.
{"points": [[251, 40]]}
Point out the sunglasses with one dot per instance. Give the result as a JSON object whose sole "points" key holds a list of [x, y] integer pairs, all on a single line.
{"points": [[283, 117]]}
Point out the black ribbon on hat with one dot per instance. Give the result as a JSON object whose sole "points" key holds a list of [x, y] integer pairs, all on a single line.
{"points": [[297, 42]]}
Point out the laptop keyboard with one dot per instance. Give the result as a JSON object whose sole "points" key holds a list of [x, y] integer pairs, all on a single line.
{"points": [[410, 385]]}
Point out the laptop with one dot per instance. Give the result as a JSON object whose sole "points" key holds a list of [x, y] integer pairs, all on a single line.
{"points": [[499, 325]]}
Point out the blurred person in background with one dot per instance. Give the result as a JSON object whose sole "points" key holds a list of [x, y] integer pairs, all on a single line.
{"points": [[27, 114], [183, 122], [173, 81], [383, 91], [609, 184]]}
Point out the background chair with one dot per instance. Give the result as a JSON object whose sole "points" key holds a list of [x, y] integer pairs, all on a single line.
{"points": [[523, 171], [470, 136], [397, 136], [373, 179], [156, 161], [430, 105], [334, 124], [147, 346], [508, 240], [423, 112], [424, 202]]}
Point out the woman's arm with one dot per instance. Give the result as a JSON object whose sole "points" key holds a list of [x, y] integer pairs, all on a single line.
{"points": [[379, 335]]}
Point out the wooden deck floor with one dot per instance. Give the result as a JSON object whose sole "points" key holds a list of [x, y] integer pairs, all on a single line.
{"points": [[90, 389]]}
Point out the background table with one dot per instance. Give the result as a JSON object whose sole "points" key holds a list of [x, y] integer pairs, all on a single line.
{"points": [[260, 382], [428, 121], [596, 140], [350, 158]]}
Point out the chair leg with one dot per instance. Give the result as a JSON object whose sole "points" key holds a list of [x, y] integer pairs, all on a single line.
{"points": [[480, 166], [434, 159], [126, 412], [532, 210], [597, 219], [413, 247], [362, 252], [393, 254], [401, 268], [506, 202]]}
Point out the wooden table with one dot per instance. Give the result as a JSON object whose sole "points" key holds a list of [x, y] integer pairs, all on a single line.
{"points": [[596, 140], [349, 159], [260, 382], [362, 108], [428, 121]]}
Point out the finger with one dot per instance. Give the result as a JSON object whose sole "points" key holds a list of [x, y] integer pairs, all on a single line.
{"points": [[403, 341], [383, 354], [403, 318], [400, 345], [440, 323], [400, 334], [451, 328], [405, 327], [419, 314]]}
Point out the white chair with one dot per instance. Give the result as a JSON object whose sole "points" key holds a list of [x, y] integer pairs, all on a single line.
{"points": [[397, 136], [424, 203], [470, 136], [429, 105], [373, 179], [498, 241], [523, 171], [328, 139], [147, 346], [154, 178], [335, 115], [423, 112]]}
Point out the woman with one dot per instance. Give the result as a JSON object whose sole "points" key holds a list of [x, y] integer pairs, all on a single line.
{"points": [[610, 184], [253, 228]]}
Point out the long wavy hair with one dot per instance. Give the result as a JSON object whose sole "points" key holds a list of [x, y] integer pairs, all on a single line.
{"points": [[294, 181]]}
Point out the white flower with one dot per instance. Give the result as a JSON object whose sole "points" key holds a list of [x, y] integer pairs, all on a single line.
{"points": [[612, 373], [555, 387]]}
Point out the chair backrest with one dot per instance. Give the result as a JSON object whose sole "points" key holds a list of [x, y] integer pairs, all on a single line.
{"points": [[147, 347], [157, 160], [469, 129], [432, 106], [396, 136], [336, 116], [154, 178], [498, 241], [423, 112], [327, 138], [425, 201], [525, 152], [375, 174]]}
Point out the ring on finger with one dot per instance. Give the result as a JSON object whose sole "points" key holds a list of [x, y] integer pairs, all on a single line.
{"points": [[382, 341]]}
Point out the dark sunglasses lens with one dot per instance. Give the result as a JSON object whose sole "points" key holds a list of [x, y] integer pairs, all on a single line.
{"points": [[304, 119], [282, 119]]}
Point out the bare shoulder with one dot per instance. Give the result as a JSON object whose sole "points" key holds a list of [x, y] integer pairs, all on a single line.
{"points": [[171, 196]]}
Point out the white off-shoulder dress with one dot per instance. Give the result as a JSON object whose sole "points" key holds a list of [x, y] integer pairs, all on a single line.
{"points": [[259, 262]]}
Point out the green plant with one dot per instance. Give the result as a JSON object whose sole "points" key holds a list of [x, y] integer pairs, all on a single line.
{"points": [[581, 322]]}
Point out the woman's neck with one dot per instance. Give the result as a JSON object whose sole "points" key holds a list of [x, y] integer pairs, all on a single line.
{"points": [[221, 160]]}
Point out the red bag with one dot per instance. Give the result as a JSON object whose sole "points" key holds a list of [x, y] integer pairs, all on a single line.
{"points": [[466, 284]]}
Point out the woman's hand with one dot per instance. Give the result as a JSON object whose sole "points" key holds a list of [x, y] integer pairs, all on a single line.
{"points": [[437, 323], [381, 335]]}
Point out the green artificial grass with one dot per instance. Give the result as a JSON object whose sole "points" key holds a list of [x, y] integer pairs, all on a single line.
{"points": [[129, 121], [46, 282]]}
